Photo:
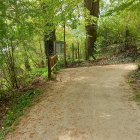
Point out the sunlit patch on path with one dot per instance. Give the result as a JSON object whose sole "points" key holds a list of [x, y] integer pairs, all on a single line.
{"points": [[73, 134]]}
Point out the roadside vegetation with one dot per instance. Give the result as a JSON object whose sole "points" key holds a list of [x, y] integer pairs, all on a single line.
{"points": [[134, 81], [15, 109]]}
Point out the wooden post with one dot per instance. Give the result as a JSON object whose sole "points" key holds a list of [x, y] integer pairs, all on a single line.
{"points": [[49, 67], [76, 57], [78, 52], [72, 52], [65, 60], [52, 62]]}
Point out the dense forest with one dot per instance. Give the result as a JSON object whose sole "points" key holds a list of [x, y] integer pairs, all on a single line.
{"points": [[88, 30]]}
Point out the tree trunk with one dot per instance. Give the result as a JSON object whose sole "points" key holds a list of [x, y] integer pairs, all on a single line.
{"points": [[49, 40], [49, 43], [126, 39], [11, 67], [91, 28], [72, 52]]}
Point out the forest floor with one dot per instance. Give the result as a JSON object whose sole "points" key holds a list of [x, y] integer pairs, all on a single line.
{"points": [[85, 103]]}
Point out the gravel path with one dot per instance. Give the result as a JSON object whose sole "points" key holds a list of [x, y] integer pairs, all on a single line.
{"points": [[88, 103]]}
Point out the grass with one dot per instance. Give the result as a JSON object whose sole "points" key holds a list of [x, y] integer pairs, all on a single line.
{"points": [[137, 97], [20, 102], [40, 72], [44, 71]]}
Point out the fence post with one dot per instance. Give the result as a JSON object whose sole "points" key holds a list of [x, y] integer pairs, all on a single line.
{"points": [[78, 52], [49, 67], [65, 53], [72, 52]]}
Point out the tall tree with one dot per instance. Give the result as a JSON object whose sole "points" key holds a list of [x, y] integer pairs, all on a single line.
{"points": [[91, 27]]}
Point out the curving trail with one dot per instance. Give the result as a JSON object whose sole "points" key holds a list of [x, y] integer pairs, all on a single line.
{"points": [[88, 103]]}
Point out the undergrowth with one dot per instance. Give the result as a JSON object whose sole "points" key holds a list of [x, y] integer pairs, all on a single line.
{"points": [[40, 72], [135, 83], [19, 103]]}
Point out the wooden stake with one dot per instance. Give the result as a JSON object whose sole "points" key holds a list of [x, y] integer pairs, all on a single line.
{"points": [[65, 59]]}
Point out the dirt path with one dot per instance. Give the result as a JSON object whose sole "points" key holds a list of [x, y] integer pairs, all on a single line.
{"points": [[89, 103]]}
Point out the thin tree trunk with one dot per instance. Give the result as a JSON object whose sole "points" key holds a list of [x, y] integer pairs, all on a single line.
{"points": [[41, 51], [26, 58], [11, 67], [27, 63], [126, 38]]}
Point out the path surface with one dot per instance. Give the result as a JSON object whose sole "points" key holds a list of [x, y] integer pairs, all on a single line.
{"points": [[89, 103]]}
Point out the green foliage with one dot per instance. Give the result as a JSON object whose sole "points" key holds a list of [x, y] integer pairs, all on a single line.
{"points": [[19, 22], [40, 72], [136, 84], [138, 63], [137, 97], [112, 7], [20, 102], [120, 29]]}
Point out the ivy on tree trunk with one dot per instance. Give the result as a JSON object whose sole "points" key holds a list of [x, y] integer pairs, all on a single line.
{"points": [[49, 40], [91, 28]]}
